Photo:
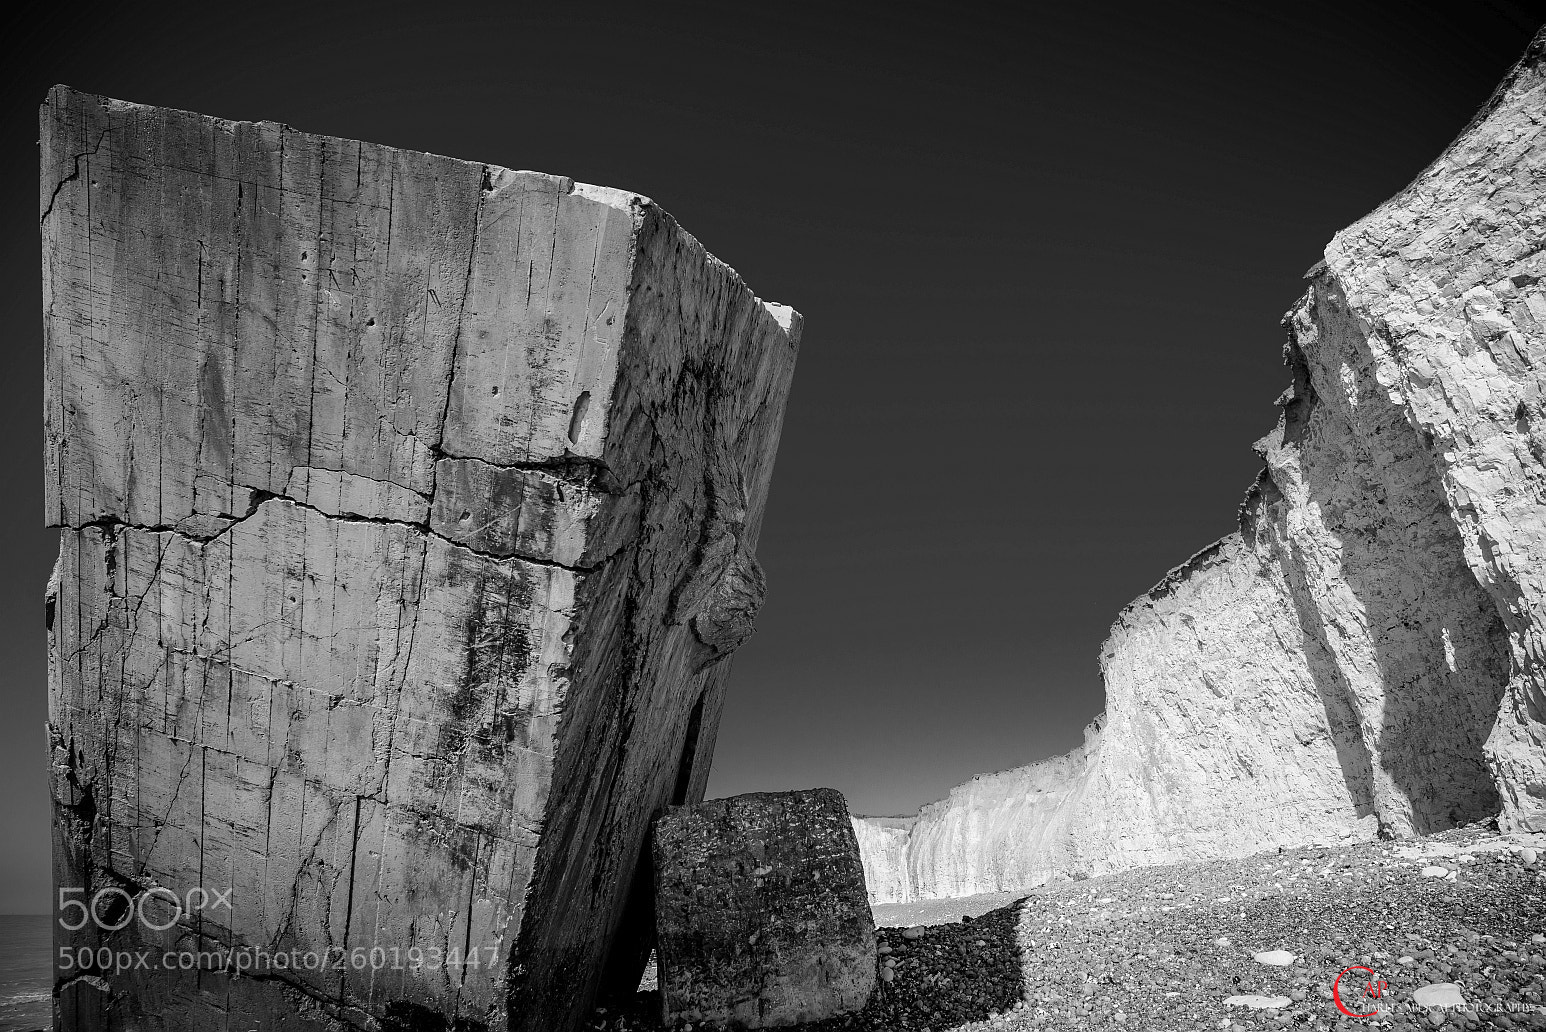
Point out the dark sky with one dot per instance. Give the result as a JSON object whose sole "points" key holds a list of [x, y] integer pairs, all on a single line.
{"points": [[1041, 250]]}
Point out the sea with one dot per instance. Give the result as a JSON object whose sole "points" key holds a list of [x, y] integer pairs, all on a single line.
{"points": [[26, 971]]}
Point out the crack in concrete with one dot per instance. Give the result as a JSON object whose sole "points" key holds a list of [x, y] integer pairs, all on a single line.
{"points": [[76, 174], [110, 525]]}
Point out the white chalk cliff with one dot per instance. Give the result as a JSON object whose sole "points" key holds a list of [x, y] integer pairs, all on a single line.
{"points": [[1367, 654]]}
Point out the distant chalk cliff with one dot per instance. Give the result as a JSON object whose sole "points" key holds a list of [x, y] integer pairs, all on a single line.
{"points": [[1365, 655]]}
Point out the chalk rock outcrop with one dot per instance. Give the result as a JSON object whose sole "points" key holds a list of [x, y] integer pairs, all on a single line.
{"points": [[1366, 654], [883, 853], [761, 911], [409, 513]]}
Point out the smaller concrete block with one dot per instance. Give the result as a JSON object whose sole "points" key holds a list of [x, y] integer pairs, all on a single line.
{"points": [[761, 911]]}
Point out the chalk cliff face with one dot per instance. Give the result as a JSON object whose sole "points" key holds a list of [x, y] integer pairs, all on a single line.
{"points": [[1365, 656], [883, 851]]}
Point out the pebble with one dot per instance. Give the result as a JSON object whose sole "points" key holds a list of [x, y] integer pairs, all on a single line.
{"points": [[915, 932], [1435, 872], [1438, 994], [1257, 1002], [1276, 958], [1528, 855]]}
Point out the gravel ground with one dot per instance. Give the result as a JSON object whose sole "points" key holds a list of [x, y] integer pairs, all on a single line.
{"points": [[1165, 948]]}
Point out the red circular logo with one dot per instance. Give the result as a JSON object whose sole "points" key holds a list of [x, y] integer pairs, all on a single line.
{"points": [[1336, 992]]}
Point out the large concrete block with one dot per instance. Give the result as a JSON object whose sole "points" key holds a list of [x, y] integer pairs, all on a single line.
{"points": [[409, 511], [761, 912]]}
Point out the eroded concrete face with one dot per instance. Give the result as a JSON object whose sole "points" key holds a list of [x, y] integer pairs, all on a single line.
{"points": [[761, 911], [409, 510]]}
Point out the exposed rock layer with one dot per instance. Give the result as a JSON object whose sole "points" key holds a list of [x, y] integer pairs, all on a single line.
{"points": [[1366, 655], [409, 512]]}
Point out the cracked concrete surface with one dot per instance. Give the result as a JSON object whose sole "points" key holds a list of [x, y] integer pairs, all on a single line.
{"points": [[409, 513]]}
